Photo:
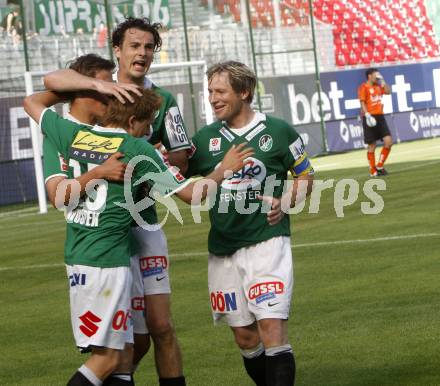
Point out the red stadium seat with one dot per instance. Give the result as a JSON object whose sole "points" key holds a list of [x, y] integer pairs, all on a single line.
{"points": [[364, 31]]}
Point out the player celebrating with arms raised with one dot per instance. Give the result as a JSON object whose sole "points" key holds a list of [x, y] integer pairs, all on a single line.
{"points": [[373, 121], [250, 271]]}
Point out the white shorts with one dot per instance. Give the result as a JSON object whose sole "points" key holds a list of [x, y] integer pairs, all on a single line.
{"points": [[100, 306], [254, 283], [150, 272]]}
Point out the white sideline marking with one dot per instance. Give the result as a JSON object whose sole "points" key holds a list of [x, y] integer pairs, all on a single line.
{"points": [[18, 211], [304, 245]]}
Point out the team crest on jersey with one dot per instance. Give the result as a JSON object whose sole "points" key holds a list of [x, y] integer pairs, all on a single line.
{"points": [[265, 142], [215, 144], [93, 148], [251, 175]]}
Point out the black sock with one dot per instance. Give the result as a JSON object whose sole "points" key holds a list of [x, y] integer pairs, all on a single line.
{"points": [[178, 381], [256, 368], [280, 370], [113, 380], [79, 380]]}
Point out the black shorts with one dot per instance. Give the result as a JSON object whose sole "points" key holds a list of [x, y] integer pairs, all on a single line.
{"points": [[375, 133]]}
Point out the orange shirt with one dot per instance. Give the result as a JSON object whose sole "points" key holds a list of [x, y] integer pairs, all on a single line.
{"points": [[372, 96]]}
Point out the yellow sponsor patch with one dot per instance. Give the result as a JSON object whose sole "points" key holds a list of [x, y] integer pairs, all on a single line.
{"points": [[88, 141]]}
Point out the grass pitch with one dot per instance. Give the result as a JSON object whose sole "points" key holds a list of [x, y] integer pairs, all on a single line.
{"points": [[366, 298]]}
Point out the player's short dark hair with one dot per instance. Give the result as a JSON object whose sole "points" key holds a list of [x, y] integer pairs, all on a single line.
{"points": [[241, 77], [143, 108], [91, 64], [143, 24], [370, 71]]}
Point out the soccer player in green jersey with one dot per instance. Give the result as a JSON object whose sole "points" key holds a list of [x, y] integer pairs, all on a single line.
{"points": [[85, 107], [97, 250], [88, 107], [135, 41], [250, 270]]}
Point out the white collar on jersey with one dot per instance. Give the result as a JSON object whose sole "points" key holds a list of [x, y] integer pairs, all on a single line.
{"points": [[70, 117], [114, 130], [258, 117], [147, 82]]}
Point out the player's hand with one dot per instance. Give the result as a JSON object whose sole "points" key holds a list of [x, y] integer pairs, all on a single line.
{"points": [[112, 169], [275, 215], [121, 91], [371, 121], [380, 79], [234, 159]]}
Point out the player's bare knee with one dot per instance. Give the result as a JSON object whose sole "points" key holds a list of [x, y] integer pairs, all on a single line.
{"points": [[162, 330], [109, 359], [246, 338]]}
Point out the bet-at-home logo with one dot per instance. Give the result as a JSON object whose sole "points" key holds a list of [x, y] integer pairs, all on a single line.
{"points": [[251, 175]]}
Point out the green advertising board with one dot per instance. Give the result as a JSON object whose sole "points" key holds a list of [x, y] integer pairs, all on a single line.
{"points": [[70, 16]]}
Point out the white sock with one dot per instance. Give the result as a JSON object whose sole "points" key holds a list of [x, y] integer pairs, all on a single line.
{"points": [[272, 351], [124, 377], [90, 375], [253, 352]]}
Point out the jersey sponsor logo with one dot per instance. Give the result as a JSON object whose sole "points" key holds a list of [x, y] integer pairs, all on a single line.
{"points": [[223, 302], [175, 128], [138, 303], [250, 176], [227, 134], [265, 291], [214, 144], [90, 323], [93, 148], [120, 320], [255, 131], [297, 149], [153, 265], [265, 142], [77, 279]]}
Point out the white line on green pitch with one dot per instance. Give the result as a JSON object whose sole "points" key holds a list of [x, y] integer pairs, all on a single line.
{"points": [[304, 245]]}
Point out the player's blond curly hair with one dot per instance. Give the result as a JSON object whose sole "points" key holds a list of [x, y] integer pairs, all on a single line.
{"points": [[241, 77]]}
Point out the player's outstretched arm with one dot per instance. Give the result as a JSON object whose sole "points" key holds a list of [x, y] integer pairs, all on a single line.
{"points": [[301, 188], [179, 158], [70, 80], [233, 161], [36, 103]]}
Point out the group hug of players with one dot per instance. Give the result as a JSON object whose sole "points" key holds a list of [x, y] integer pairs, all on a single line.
{"points": [[117, 271]]}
